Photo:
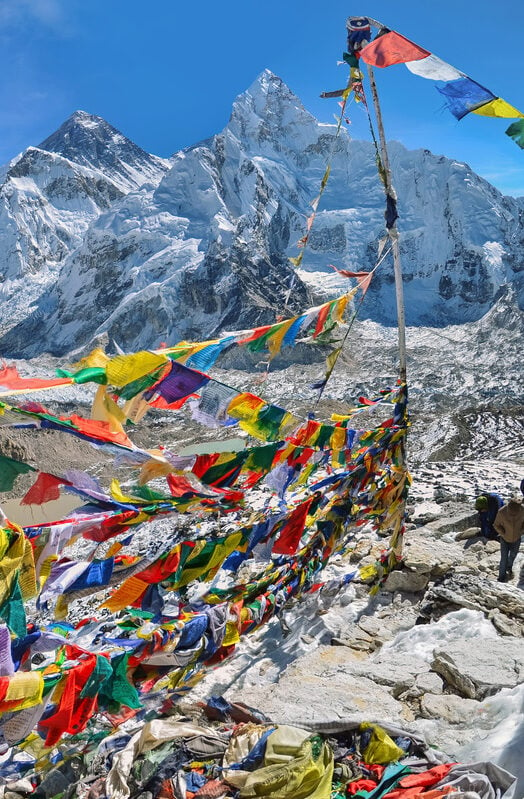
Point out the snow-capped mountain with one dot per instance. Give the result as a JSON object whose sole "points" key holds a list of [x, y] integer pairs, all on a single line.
{"points": [[93, 143], [204, 246], [49, 196]]}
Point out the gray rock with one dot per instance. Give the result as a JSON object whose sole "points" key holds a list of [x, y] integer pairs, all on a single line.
{"points": [[461, 521], [398, 670], [370, 625], [453, 709], [402, 580], [477, 668], [470, 532], [460, 590], [429, 682], [323, 686], [504, 624], [422, 552], [361, 550]]}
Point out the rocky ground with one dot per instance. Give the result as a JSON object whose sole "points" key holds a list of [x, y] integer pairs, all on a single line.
{"points": [[440, 650]]}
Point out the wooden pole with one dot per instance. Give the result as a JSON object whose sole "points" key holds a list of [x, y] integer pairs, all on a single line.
{"points": [[397, 536], [392, 231]]}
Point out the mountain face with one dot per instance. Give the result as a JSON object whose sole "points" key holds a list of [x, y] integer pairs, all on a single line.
{"points": [[49, 196], [109, 241], [91, 142]]}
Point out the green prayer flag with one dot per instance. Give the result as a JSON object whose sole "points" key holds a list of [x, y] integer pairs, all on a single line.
{"points": [[516, 132], [9, 471], [268, 422], [91, 374], [135, 387], [215, 474], [260, 459], [13, 613], [116, 690], [324, 435], [100, 674]]}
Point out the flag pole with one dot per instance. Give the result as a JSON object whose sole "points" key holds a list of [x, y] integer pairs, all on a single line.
{"points": [[392, 229], [397, 536]]}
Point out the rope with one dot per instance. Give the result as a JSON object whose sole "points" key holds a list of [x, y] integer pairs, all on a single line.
{"points": [[303, 242], [336, 353]]}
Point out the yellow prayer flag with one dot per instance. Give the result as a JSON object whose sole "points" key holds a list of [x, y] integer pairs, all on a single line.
{"points": [[153, 469], [61, 608], [96, 358], [325, 178], [136, 408], [105, 409], [274, 342], [123, 369], [26, 687], [245, 406], [498, 108], [232, 636], [340, 307], [220, 553], [337, 440]]}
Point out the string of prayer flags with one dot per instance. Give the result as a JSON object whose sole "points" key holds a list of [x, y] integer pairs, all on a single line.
{"points": [[303, 242], [462, 94], [92, 430], [272, 337], [83, 681]]}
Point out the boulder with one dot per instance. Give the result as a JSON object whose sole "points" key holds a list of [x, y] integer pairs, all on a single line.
{"points": [[477, 668], [408, 581], [422, 552], [429, 682], [450, 708], [461, 591], [504, 624], [459, 521], [398, 671], [470, 532], [323, 686]]}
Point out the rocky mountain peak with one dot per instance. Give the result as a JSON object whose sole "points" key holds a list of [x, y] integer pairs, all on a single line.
{"points": [[269, 111], [77, 136], [90, 141]]}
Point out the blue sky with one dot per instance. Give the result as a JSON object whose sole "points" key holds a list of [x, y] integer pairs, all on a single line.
{"points": [[165, 72]]}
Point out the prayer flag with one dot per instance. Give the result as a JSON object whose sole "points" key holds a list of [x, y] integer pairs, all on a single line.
{"points": [[391, 48]]}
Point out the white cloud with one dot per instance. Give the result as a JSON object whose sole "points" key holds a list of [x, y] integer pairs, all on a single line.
{"points": [[19, 14]]}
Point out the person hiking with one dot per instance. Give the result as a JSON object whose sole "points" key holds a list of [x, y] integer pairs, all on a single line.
{"points": [[488, 505], [509, 524]]}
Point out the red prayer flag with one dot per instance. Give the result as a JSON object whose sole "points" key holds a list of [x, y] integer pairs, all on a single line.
{"points": [[204, 462], [291, 533], [363, 278], [99, 430], [160, 402], [45, 488], [180, 485], [10, 379], [322, 316], [256, 333], [392, 48]]}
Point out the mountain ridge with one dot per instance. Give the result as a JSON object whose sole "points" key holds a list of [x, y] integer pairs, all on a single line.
{"points": [[227, 213]]}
